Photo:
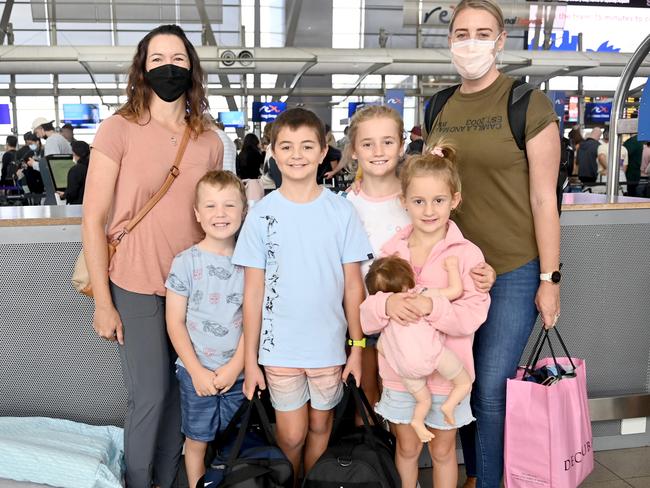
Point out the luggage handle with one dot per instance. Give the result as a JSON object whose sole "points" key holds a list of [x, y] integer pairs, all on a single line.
{"points": [[243, 417], [365, 410], [537, 350], [256, 403], [361, 403]]}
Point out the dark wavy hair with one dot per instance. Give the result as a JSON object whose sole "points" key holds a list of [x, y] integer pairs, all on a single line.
{"points": [[138, 91], [251, 140]]}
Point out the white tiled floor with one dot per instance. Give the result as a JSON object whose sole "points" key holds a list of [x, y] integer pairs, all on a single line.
{"points": [[622, 468]]}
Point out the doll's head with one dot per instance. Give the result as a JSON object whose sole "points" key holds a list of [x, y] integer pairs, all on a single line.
{"points": [[391, 274]]}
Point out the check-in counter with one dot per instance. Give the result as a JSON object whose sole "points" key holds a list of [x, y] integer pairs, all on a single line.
{"points": [[53, 364], [605, 302]]}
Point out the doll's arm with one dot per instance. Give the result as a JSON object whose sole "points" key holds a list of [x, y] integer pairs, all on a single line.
{"points": [[454, 288]]}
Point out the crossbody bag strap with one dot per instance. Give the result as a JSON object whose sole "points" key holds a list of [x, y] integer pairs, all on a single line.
{"points": [[173, 173]]}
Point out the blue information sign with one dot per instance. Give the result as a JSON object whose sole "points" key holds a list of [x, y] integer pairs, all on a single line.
{"points": [[597, 112], [4, 114], [644, 115], [395, 100], [267, 111]]}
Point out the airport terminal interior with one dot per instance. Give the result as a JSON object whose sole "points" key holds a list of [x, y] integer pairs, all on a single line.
{"points": [[67, 66]]}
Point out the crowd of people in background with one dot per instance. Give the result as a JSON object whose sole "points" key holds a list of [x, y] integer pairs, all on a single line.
{"points": [[251, 158], [21, 164], [591, 154]]}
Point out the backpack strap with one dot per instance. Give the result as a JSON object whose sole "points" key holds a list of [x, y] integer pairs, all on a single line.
{"points": [[435, 104], [517, 107]]}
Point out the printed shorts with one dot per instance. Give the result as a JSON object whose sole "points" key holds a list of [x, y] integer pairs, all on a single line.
{"points": [[397, 407], [291, 388], [203, 417]]}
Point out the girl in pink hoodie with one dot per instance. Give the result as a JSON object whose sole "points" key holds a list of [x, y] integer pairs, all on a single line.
{"points": [[430, 191], [417, 351]]}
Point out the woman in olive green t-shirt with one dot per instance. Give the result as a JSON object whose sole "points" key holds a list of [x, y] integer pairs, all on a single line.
{"points": [[509, 210]]}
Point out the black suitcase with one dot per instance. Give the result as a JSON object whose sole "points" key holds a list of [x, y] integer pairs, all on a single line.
{"points": [[357, 457], [253, 460]]}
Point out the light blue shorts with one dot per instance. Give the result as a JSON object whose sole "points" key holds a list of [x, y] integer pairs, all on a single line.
{"points": [[397, 407]]}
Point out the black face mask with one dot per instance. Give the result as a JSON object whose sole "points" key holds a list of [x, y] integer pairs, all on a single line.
{"points": [[169, 81]]}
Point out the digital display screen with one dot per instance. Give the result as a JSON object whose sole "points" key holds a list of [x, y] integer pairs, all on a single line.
{"points": [[81, 115], [232, 119], [59, 167], [4, 114], [597, 112], [267, 111]]}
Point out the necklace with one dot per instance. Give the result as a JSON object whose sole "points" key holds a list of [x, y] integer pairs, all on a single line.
{"points": [[173, 139]]}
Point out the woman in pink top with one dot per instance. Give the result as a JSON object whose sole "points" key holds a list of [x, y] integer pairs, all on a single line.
{"points": [[132, 154], [430, 191]]}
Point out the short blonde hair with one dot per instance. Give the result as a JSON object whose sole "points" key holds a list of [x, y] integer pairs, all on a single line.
{"points": [[489, 6], [431, 164], [221, 179]]}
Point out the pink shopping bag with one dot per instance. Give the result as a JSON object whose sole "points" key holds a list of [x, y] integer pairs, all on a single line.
{"points": [[548, 440]]}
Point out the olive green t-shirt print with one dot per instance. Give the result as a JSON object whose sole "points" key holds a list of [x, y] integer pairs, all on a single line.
{"points": [[495, 213]]}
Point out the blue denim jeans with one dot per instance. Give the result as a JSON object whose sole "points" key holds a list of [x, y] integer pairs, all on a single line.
{"points": [[498, 346]]}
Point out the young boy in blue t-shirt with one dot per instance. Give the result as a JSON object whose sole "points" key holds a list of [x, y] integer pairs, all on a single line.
{"points": [[301, 248], [204, 316]]}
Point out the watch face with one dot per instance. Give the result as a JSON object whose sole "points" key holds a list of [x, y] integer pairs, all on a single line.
{"points": [[556, 276]]}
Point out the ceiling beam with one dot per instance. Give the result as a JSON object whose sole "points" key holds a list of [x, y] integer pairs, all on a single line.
{"points": [[364, 75], [289, 38], [296, 78], [4, 21]]}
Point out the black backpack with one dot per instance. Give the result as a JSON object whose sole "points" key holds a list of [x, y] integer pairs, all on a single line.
{"points": [[517, 106], [357, 457], [254, 460]]}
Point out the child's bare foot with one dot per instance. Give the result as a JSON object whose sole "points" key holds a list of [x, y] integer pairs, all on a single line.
{"points": [[447, 410], [451, 262], [423, 433]]}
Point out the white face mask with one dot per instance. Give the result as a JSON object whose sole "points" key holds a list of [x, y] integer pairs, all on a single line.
{"points": [[32, 147], [473, 57]]}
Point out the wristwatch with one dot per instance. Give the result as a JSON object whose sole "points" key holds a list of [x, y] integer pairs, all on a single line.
{"points": [[360, 343], [553, 277]]}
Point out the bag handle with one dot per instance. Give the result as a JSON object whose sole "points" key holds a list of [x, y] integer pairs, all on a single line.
{"points": [[173, 174], [232, 426], [255, 403], [364, 409], [537, 350], [362, 405]]}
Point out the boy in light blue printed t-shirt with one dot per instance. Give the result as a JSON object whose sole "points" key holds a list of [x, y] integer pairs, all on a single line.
{"points": [[204, 318], [301, 247]]}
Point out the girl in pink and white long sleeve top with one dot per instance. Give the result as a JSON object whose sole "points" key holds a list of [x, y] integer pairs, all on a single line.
{"points": [[458, 319]]}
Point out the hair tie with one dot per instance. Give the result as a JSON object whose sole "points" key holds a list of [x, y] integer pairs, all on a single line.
{"points": [[437, 151]]}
